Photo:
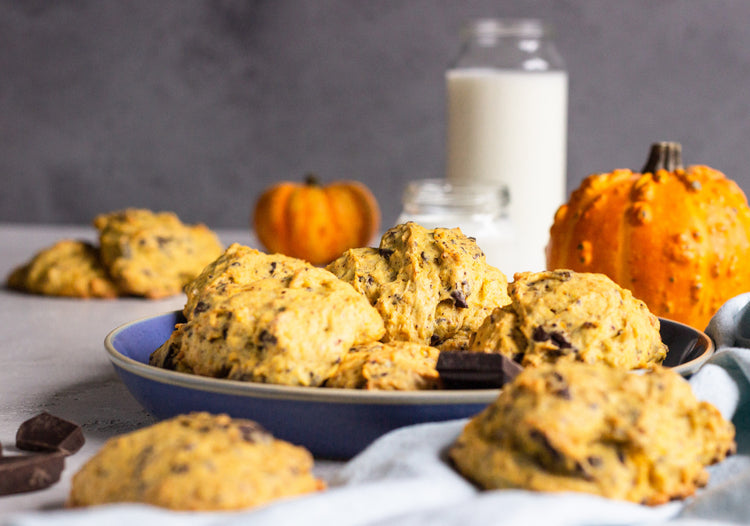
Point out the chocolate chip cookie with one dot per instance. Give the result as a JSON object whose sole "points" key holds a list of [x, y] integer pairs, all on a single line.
{"points": [[432, 287], [68, 268], [288, 329], [195, 462], [393, 366], [564, 315], [153, 254], [592, 428], [238, 266]]}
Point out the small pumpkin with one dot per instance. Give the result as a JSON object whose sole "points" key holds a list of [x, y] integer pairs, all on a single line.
{"points": [[678, 238], [315, 222]]}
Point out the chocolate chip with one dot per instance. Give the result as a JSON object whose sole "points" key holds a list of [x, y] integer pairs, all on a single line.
{"points": [[252, 431], [459, 299], [563, 392], [538, 436], [24, 473], [201, 306], [541, 335], [162, 241], [267, 338], [385, 253], [180, 468], [475, 370], [169, 360], [46, 432]]}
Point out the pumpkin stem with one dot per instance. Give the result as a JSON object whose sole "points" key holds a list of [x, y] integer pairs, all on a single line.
{"points": [[311, 179], [664, 156]]}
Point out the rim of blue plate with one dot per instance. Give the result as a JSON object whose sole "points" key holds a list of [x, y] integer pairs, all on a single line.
{"points": [[298, 393], [335, 395]]}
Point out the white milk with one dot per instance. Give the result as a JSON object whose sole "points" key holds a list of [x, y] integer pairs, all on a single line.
{"points": [[510, 127]]}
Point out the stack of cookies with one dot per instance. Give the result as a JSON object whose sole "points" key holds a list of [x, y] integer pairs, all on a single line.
{"points": [[140, 253]]}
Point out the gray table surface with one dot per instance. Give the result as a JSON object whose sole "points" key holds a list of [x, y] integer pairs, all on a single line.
{"points": [[52, 359]]}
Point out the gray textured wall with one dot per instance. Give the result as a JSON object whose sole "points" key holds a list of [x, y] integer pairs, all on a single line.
{"points": [[196, 106]]}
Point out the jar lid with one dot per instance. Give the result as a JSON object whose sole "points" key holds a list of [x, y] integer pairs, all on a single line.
{"points": [[441, 194], [489, 29]]}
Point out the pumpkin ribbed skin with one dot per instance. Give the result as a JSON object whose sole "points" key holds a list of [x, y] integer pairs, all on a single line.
{"points": [[679, 240], [313, 222]]}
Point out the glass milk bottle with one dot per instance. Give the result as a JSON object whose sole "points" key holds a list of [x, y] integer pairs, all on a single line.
{"points": [[507, 124]]}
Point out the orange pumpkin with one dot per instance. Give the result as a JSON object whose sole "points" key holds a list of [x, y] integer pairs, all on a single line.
{"points": [[678, 239], [313, 222]]}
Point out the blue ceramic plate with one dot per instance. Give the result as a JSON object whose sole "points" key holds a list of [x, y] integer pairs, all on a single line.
{"points": [[331, 423]]}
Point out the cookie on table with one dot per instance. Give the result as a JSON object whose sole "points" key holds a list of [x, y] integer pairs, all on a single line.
{"points": [[565, 315], [393, 366], [430, 286], [288, 330], [69, 268], [596, 429], [153, 254], [195, 462], [238, 266]]}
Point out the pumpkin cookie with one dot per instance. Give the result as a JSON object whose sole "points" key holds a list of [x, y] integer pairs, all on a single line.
{"points": [[195, 462], [236, 267], [153, 254], [289, 330], [564, 315], [595, 429], [430, 286], [67, 268], [394, 366]]}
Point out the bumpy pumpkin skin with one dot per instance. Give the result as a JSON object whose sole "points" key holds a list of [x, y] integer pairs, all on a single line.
{"points": [[680, 240], [313, 222]]}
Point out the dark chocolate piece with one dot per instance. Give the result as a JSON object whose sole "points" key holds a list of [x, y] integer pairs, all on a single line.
{"points": [[46, 432], [475, 370], [19, 474]]}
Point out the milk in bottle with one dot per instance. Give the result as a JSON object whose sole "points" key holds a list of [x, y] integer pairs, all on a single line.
{"points": [[507, 100]]}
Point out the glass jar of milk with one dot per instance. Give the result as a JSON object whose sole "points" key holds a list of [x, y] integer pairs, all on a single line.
{"points": [[480, 211], [507, 124]]}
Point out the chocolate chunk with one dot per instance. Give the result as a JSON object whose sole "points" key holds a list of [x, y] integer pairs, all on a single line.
{"points": [[252, 431], [46, 432], [267, 338], [169, 360], [201, 306], [475, 370], [20, 474], [538, 436], [558, 338], [459, 299], [385, 253]]}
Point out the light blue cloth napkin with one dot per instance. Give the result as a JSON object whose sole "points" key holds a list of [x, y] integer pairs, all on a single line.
{"points": [[403, 479]]}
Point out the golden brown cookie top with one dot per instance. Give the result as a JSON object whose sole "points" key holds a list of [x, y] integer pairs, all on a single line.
{"points": [[286, 330], [565, 315], [593, 428], [430, 286], [195, 462], [238, 266], [154, 254]]}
